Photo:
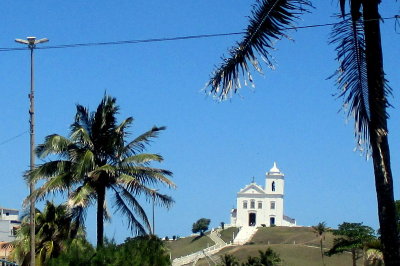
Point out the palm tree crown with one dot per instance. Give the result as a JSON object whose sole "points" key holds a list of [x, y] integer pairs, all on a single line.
{"points": [[95, 158], [55, 225]]}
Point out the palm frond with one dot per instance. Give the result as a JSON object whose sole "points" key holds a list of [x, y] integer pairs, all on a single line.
{"points": [[78, 216], [124, 201], [82, 119], [85, 164], [53, 144], [82, 196], [142, 158], [269, 22], [148, 175], [139, 144], [348, 35], [81, 135], [49, 170], [54, 185]]}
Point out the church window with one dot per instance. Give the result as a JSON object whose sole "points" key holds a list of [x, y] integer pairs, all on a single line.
{"points": [[273, 186], [272, 205], [260, 205], [244, 204], [252, 204]]}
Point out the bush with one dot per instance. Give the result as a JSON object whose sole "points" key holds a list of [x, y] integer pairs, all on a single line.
{"points": [[139, 251]]}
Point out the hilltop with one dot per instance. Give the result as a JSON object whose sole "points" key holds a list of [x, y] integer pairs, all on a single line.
{"points": [[296, 246]]}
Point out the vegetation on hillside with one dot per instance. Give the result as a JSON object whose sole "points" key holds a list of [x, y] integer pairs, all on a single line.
{"points": [[139, 251], [320, 229], [351, 237], [200, 226]]}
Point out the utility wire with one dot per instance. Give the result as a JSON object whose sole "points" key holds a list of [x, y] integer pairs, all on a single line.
{"points": [[12, 138], [75, 45]]}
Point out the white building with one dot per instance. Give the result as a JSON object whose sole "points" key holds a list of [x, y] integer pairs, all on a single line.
{"points": [[9, 222], [262, 206]]}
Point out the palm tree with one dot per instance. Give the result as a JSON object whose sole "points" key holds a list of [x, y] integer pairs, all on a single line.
{"points": [[269, 257], [320, 229], [361, 77], [53, 227], [96, 158], [228, 260]]}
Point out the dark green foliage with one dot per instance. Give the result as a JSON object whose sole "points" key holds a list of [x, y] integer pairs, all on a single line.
{"points": [[229, 260], [268, 23], [97, 158], [201, 226], [266, 258], [139, 251], [54, 227], [351, 238]]}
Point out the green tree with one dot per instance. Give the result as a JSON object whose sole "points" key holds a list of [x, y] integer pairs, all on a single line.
{"points": [[96, 158], [201, 226], [53, 228], [269, 257], [139, 251], [229, 260], [351, 237], [361, 80], [320, 229]]}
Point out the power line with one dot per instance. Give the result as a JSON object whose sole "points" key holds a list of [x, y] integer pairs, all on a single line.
{"points": [[12, 138], [165, 39]]}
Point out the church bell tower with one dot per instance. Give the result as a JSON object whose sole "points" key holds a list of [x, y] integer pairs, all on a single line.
{"points": [[274, 188], [274, 182]]}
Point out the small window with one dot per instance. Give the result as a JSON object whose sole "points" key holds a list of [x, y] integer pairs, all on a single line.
{"points": [[7, 213], [273, 186], [252, 204], [260, 205], [244, 204], [272, 205]]}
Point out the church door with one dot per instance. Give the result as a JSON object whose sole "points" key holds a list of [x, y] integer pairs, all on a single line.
{"points": [[252, 219], [271, 221]]}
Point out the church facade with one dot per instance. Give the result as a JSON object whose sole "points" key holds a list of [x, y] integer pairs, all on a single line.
{"points": [[262, 206]]}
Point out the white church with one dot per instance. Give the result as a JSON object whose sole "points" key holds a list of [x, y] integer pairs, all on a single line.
{"points": [[262, 206]]}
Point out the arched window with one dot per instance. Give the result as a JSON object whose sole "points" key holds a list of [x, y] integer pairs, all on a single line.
{"points": [[272, 205], [273, 186], [245, 204], [252, 204]]}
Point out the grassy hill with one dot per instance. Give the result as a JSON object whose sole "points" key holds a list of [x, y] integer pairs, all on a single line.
{"points": [[297, 246], [188, 245]]}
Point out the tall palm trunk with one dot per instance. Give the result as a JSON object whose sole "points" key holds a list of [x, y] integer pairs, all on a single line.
{"points": [[378, 134], [322, 251], [101, 194]]}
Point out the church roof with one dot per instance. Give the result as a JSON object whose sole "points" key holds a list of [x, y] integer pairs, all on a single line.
{"points": [[252, 188]]}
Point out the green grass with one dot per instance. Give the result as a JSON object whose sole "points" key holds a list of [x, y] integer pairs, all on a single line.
{"points": [[188, 245], [227, 234], [305, 251], [290, 235], [291, 255]]}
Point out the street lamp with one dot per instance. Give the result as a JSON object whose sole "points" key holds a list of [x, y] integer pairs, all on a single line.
{"points": [[32, 42], [154, 191]]}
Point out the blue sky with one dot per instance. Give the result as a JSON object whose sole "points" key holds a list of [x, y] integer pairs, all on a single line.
{"points": [[213, 148]]}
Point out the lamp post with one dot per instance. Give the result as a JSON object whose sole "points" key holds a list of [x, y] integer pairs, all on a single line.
{"points": [[32, 42], [154, 197]]}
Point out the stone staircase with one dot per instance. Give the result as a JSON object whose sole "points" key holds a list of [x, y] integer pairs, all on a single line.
{"points": [[245, 235], [208, 252]]}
